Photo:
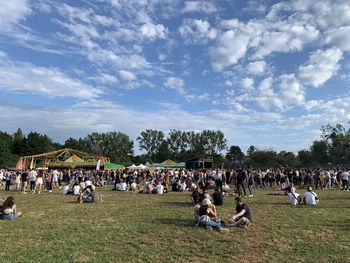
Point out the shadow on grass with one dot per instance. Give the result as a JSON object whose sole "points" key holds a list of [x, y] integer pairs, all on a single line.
{"points": [[176, 222], [176, 203]]}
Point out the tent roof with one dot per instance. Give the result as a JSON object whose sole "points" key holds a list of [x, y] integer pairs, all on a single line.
{"points": [[168, 162]]}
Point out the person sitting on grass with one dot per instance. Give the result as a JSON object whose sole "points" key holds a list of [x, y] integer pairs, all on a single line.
{"points": [[8, 209], [310, 197], [294, 198], [89, 195], [195, 195], [208, 217], [242, 217]]}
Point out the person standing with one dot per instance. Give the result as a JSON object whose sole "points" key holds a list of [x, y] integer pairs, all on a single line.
{"points": [[32, 177], [8, 177], [250, 182], [345, 180], [240, 181], [24, 179]]}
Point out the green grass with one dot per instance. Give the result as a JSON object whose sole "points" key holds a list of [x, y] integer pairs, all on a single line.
{"points": [[129, 227]]}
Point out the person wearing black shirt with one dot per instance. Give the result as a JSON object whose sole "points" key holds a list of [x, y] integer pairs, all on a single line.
{"points": [[217, 197], [242, 217], [24, 179], [240, 181]]}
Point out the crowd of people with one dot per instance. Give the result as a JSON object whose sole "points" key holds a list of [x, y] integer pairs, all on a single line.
{"points": [[240, 181]]}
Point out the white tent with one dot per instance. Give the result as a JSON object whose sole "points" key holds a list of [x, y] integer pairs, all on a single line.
{"points": [[133, 166], [141, 166]]}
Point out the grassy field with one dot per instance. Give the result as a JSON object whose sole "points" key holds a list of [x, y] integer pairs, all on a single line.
{"points": [[130, 227]]}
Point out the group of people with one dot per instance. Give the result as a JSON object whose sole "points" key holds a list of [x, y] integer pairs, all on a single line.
{"points": [[309, 198], [206, 215]]}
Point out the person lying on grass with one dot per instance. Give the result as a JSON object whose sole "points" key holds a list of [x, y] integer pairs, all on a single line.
{"points": [[208, 217], [8, 209], [242, 217], [89, 195]]}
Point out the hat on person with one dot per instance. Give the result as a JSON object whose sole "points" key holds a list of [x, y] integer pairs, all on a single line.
{"points": [[207, 195], [206, 201]]}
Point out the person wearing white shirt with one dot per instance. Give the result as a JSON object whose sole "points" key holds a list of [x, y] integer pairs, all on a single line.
{"points": [[310, 197], [32, 177], [160, 188], [122, 186], [294, 198], [76, 189]]}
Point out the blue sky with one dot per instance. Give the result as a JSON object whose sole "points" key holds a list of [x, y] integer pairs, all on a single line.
{"points": [[266, 73]]}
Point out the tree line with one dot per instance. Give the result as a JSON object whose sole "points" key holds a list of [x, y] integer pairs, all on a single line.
{"points": [[332, 149]]}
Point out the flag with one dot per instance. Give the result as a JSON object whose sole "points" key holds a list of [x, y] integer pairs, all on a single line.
{"points": [[19, 164], [98, 165], [32, 164]]}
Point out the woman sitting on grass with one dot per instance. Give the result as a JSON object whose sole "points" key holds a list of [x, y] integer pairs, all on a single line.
{"points": [[208, 217], [8, 209], [89, 195]]}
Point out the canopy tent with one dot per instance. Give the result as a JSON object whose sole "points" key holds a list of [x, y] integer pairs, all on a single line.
{"points": [[133, 166], [141, 166], [111, 166], [64, 158], [168, 164]]}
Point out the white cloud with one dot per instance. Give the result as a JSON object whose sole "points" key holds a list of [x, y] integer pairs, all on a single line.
{"points": [[105, 78], [231, 46], [177, 84], [127, 75], [197, 31], [50, 82], [291, 92], [153, 31], [199, 6], [247, 84], [12, 12], [257, 67], [322, 65], [285, 37], [339, 38]]}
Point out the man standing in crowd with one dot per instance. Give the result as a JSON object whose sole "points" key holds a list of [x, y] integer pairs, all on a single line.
{"points": [[240, 181]]}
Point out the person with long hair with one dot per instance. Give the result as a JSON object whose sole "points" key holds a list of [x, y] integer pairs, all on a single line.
{"points": [[8, 209]]}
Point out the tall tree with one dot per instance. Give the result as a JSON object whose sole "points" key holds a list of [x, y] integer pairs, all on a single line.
{"points": [[7, 158], [234, 153], [115, 145], [319, 153], [18, 142], [37, 143], [251, 149], [150, 141], [178, 142]]}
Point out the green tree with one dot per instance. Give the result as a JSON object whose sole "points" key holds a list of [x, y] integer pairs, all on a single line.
{"points": [[234, 153], [178, 143], [305, 158], [7, 158], [287, 158], [338, 142], [251, 149], [319, 153], [18, 142], [263, 158], [76, 144], [115, 145], [150, 141], [36, 143]]}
